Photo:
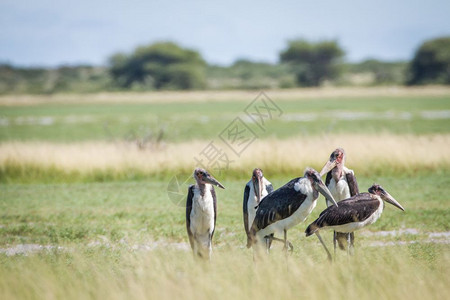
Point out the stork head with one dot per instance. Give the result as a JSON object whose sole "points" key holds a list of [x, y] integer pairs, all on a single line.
{"points": [[337, 159], [376, 189], [318, 184], [202, 177], [258, 184]]}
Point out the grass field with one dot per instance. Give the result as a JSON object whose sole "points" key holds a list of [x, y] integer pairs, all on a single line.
{"points": [[84, 209], [203, 120]]}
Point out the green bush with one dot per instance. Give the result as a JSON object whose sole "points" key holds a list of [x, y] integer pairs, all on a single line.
{"points": [[381, 72], [313, 63], [162, 65], [431, 63]]}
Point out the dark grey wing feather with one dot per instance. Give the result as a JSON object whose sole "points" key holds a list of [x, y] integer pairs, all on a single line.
{"points": [[245, 208], [188, 215], [355, 209], [278, 205], [213, 193], [352, 184], [269, 188], [328, 179]]}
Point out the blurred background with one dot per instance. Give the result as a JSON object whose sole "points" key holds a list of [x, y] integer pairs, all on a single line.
{"points": [[93, 46]]}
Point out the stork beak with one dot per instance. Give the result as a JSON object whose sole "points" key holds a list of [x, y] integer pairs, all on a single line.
{"points": [[388, 198], [325, 192], [258, 188], [210, 179], [328, 166]]}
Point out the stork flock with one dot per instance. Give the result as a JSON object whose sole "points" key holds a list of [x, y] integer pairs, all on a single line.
{"points": [[268, 212]]}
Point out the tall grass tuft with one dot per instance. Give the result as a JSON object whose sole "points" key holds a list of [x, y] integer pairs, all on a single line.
{"points": [[415, 272]]}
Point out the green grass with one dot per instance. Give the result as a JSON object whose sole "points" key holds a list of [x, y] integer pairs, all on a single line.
{"points": [[104, 231], [81, 213], [29, 173], [186, 121], [115, 234]]}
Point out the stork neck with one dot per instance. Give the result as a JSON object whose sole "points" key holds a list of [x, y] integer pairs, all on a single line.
{"points": [[337, 172], [202, 187]]}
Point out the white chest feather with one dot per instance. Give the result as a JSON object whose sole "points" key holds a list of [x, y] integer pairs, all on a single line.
{"points": [[340, 190], [253, 200], [202, 213]]}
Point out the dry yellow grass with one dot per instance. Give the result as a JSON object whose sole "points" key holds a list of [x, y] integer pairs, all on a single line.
{"points": [[292, 155], [207, 96], [390, 273]]}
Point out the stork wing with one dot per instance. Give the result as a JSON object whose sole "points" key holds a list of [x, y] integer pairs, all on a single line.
{"points": [[278, 205], [188, 215], [352, 183], [355, 209], [245, 208], [213, 193], [328, 179]]}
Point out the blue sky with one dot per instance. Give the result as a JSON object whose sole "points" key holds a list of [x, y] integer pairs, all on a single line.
{"points": [[51, 33]]}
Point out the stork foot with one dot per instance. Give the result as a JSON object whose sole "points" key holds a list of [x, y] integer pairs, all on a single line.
{"points": [[289, 247]]}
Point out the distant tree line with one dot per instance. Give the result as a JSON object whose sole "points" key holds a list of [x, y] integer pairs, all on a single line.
{"points": [[168, 66], [85, 79]]}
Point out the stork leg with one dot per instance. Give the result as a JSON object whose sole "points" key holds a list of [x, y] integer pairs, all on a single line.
{"points": [[267, 238], [289, 244], [271, 239], [209, 247], [285, 239], [197, 252], [351, 240], [334, 242], [348, 243], [324, 246]]}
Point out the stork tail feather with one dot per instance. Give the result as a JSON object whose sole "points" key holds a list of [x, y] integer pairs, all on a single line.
{"points": [[312, 228]]}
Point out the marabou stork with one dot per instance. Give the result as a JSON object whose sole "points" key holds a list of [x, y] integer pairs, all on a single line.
{"points": [[288, 206], [353, 213], [201, 212], [342, 184], [256, 189]]}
